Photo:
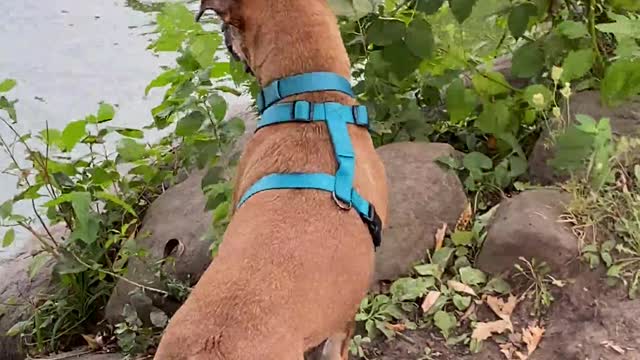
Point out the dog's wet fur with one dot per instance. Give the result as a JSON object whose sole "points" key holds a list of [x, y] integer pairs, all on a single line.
{"points": [[293, 267]]}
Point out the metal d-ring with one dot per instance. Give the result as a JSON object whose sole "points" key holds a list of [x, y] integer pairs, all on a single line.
{"points": [[342, 204]]}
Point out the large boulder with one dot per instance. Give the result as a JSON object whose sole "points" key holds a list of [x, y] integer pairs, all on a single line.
{"points": [[422, 196], [625, 121], [175, 225], [18, 290], [528, 225]]}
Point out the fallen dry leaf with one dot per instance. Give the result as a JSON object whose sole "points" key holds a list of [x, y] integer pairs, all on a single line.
{"points": [[440, 234], [461, 288], [430, 300], [508, 349], [470, 310], [396, 327], [612, 346], [485, 330], [532, 337], [521, 356], [501, 308], [465, 217], [91, 342]]}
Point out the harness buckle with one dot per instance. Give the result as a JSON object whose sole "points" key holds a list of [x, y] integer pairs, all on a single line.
{"points": [[343, 205]]}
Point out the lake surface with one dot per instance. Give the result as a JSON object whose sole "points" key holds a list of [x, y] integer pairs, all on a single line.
{"points": [[69, 55]]}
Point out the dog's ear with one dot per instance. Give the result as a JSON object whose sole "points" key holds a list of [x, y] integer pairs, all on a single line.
{"points": [[221, 7]]}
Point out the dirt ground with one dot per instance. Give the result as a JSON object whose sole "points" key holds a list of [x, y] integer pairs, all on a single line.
{"points": [[588, 320]]}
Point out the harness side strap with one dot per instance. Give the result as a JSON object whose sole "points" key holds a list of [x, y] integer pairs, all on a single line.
{"points": [[304, 111], [303, 83]]}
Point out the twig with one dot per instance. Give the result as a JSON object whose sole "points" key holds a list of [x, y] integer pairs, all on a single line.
{"points": [[107, 272]]}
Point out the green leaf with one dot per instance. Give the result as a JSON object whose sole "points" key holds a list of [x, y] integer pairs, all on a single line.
{"points": [[116, 200], [6, 209], [572, 29], [131, 150], [621, 81], [518, 166], [429, 7], [533, 92], [497, 285], [190, 124], [410, 289], [363, 7], [72, 134], [461, 9], [9, 107], [442, 256], [622, 27], [461, 302], [7, 85], [162, 80], [477, 161], [8, 238], [384, 32], [38, 262], [419, 38], [203, 48], [528, 61], [519, 18], [495, 118], [218, 106], [471, 276], [342, 7], [132, 133], [490, 84], [462, 238], [106, 112], [577, 64], [52, 137], [402, 61], [433, 270], [19, 328], [445, 322], [460, 101]]}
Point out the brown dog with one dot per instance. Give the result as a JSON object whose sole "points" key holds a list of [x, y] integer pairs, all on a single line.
{"points": [[293, 267]]}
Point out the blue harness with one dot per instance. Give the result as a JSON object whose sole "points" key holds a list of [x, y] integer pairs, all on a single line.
{"points": [[336, 116]]}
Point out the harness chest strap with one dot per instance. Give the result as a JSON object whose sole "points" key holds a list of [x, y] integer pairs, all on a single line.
{"points": [[336, 116]]}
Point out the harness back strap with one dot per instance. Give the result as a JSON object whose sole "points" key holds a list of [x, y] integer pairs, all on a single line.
{"points": [[303, 83]]}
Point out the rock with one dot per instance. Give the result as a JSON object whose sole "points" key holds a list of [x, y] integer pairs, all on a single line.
{"points": [[422, 196], [175, 225], [17, 288], [625, 120], [527, 225]]}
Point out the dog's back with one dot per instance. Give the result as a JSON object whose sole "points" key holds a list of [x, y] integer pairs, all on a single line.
{"points": [[293, 266]]}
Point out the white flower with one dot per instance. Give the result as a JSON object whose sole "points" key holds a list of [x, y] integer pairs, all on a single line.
{"points": [[538, 100], [556, 73], [556, 112], [566, 90]]}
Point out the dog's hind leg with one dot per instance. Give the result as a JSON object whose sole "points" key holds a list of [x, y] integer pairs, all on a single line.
{"points": [[336, 347]]}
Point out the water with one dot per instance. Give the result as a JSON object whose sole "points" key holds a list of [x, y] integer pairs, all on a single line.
{"points": [[68, 55]]}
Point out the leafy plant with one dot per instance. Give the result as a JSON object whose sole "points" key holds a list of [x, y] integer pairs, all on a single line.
{"points": [[73, 177]]}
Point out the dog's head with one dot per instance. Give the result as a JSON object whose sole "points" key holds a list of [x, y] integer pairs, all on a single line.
{"points": [[230, 11]]}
